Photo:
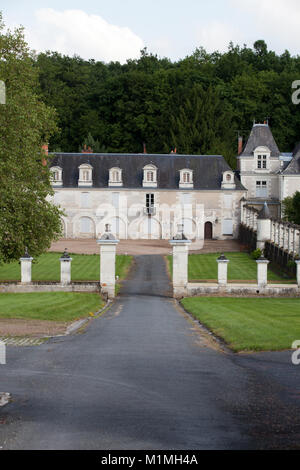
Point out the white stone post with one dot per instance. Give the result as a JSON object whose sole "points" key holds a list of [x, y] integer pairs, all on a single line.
{"points": [[26, 264], [222, 270], [180, 263], [298, 271], [108, 245], [65, 268], [262, 272], [263, 227]]}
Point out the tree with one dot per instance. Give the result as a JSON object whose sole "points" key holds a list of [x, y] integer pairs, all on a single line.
{"points": [[94, 145], [291, 208], [27, 216], [202, 123]]}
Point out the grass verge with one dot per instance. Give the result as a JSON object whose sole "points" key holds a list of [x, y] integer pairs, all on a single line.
{"points": [[51, 306], [47, 268], [241, 268], [249, 324]]}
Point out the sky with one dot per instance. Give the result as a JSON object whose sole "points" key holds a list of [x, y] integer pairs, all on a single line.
{"points": [[110, 30]]}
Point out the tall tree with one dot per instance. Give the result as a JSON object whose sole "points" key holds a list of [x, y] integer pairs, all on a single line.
{"points": [[27, 218]]}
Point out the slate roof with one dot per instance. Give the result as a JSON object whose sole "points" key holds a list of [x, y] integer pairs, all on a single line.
{"points": [[293, 168], [260, 135], [207, 170]]}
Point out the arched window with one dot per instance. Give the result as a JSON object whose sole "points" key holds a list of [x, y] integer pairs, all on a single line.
{"points": [[150, 176], [115, 177], [85, 175], [56, 176], [186, 178]]}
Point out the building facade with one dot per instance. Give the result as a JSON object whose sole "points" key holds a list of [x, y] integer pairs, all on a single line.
{"points": [[268, 174], [144, 196]]}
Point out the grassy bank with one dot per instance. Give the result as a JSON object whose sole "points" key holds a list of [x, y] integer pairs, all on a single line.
{"points": [[47, 268], [53, 306], [249, 324], [240, 268]]}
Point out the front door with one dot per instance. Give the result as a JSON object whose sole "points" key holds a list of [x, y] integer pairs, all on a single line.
{"points": [[208, 231]]}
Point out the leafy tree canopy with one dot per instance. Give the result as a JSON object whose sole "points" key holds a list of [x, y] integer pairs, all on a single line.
{"points": [[291, 208], [199, 102], [27, 217]]}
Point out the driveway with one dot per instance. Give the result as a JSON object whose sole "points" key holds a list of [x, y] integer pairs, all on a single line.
{"points": [[146, 376]]}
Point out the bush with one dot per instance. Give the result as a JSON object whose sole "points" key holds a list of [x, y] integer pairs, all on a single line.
{"points": [[256, 254]]}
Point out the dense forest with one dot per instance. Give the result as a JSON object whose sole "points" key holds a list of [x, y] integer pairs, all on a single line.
{"points": [[196, 105]]}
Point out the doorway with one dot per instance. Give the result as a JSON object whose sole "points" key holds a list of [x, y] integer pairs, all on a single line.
{"points": [[208, 231]]}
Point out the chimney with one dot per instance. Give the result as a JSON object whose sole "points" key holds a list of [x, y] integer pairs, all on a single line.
{"points": [[240, 145], [87, 149], [45, 150], [144, 145]]}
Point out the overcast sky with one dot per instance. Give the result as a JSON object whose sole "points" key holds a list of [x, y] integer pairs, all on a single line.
{"points": [[118, 29]]}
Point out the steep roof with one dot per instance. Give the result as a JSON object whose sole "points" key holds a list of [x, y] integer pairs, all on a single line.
{"points": [[293, 168], [260, 136], [207, 170]]}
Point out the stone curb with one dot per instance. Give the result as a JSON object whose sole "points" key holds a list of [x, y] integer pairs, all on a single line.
{"points": [[79, 323]]}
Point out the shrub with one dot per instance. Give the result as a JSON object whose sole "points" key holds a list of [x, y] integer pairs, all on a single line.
{"points": [[256, 253]]}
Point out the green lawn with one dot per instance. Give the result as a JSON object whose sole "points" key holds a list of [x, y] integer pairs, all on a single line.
{"points": [[241, 268], [47, 268], [54, 306], [249, 324]]}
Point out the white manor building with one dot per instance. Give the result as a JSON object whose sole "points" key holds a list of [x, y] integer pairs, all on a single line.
{"points": [[146, 196]]}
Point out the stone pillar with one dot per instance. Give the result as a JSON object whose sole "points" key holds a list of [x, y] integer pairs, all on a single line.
{"points": [[222, 270], [263, 227], [262, 272], [65, 268], [298, 271], [180, 246], [26, 264], [108, 244]]}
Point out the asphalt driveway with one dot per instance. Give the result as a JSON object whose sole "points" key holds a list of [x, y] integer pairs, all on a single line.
{"points": [[145, 376]]}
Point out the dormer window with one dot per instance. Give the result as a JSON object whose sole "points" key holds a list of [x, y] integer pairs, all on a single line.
{"points": [[186, 179], [115, 177], [228, 180], [150, 176], [261, 162], [56, 176], [85, 175], [262, 155]]}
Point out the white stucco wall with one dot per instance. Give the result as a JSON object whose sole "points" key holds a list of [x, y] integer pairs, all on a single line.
{"points": [[86, 215]]}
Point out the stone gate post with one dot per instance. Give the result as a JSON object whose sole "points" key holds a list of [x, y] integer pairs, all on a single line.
{"points": [[222, 270], [262, 272], [297, 261], [65, 268], [108, 244], [26, 264], [180, 246]]}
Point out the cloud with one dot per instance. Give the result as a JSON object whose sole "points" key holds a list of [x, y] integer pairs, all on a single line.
{"points": [[89, 36], [216, 36], [276, 21]]}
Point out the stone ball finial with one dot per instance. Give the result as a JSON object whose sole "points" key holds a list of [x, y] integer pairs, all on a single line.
{"points": [[180, 235], [26, 254], [65, 254], [222, 257]]}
